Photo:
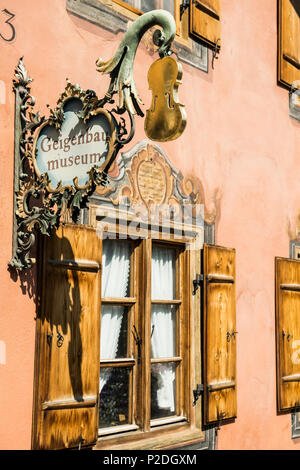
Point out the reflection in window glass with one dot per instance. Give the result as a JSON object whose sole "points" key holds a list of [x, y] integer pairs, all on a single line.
{"points": [[114, 396], [116, 269], [148, 5], [163, 275], [114, 329], [163, 331], [163, 390]]}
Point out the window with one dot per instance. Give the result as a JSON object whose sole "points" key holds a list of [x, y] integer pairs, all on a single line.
{"points": [[197, 27], [148, 5], [138, 7], [136, 332], [144, 323], [201, 23], [142, 394]]}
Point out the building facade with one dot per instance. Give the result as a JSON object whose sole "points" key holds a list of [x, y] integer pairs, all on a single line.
{"points": [[166, 316]]}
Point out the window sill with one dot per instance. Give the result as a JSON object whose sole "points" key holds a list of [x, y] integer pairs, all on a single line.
{"points": [[163, 438]]}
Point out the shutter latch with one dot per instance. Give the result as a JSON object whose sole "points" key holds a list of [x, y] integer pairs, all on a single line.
{"points": [[197, 282], [138, 341], [197, 392]]}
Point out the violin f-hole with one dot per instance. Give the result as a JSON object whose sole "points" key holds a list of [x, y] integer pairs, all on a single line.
{"points": [[168, 96]]}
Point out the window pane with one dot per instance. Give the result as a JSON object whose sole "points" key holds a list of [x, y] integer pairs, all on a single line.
{"points": [[116, 268], [114, 328], [114, 396], [132, 3], [163, 331], [169, 5], [163, 274], [163, 390], [148, 5]]}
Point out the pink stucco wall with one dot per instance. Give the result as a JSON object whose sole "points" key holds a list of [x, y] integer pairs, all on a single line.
{"points": [[239, 140]]}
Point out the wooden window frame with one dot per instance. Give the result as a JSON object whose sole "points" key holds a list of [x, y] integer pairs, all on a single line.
{"points": [[180, 323], [145, 427], [131, 360], [182, 427]]}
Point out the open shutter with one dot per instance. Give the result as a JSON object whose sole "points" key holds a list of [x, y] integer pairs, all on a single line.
{"points": [[219, 335], [287, 305], [68, 328], [289, 41], [205, 21]]}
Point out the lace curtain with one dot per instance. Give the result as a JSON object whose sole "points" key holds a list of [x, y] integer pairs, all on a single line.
{"points": [[163, 323], [115, 283]]}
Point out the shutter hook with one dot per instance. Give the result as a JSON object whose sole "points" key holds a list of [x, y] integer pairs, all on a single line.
{"points": [[220, 417], [197, 282], [215, 52], [138, 342], [197, 392]]}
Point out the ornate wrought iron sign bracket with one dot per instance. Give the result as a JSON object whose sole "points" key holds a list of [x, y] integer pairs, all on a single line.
{"points": [[60, 160]]}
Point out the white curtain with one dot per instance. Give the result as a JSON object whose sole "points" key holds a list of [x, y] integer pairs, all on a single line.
{"points": [[115, 283], [163, 323]]}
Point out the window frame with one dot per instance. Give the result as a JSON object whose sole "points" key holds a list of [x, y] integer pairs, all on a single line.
{"points": [[141, 415], [131, 359]]}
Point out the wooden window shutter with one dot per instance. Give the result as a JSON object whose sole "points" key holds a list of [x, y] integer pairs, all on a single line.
{"points": [[219, 334], [288, 41], [205, 21], [67, 350], [287, 306]]}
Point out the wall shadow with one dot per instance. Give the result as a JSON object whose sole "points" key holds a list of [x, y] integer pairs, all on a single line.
{"points": [[64, 319]]}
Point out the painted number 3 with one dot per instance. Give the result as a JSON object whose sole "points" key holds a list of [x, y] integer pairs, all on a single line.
{"points": [[8, 36]]}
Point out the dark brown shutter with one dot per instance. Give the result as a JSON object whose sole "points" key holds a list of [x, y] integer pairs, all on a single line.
{"points": [[205, 21], [219, 335], [288, 41], [67, 353], [287, 305]]}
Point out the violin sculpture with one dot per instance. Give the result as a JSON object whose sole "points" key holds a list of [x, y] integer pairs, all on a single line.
{"points": [[166, 118]]}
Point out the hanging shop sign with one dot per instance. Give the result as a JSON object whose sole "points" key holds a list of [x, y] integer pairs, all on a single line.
{"points": [[60, 160], [68, 153]]}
